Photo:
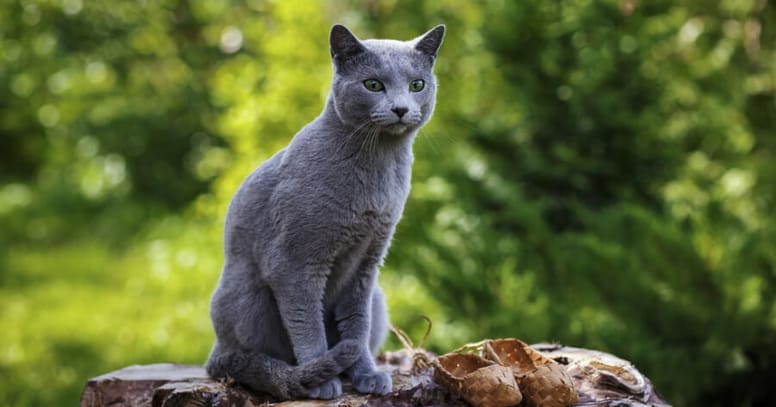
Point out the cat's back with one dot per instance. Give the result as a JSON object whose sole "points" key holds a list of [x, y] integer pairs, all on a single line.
{"points": [[253, 195]]}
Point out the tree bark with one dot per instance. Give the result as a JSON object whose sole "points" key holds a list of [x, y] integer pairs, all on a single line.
{"points": [[600, 379]]}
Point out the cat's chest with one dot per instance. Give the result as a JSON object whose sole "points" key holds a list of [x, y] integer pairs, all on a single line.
{"points": [[380, 193]]}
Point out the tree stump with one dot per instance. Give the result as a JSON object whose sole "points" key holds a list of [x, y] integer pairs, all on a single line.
{"points": [[600, 379]]}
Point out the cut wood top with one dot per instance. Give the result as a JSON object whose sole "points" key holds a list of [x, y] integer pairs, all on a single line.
{"points": [[601, 379]]}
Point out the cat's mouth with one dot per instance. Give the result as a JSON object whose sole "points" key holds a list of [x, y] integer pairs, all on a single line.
{"points": [[397, 127], [394, 125]]}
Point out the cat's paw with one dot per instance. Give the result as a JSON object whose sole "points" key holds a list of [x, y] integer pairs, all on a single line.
{"points": [[372, 383], [326, 391]]}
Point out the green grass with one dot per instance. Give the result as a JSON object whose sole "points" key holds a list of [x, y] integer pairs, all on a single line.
{"points": [[75, 311]]}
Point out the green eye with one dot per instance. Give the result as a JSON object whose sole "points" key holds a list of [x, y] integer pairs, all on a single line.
{"points": [[417, 85], [374, 85]]}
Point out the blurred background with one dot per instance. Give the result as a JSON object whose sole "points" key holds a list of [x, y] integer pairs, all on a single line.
{"points": [[597, 173]]}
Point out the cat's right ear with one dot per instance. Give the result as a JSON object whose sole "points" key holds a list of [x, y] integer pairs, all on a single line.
{"points": [[343, 43], [430, 42]]}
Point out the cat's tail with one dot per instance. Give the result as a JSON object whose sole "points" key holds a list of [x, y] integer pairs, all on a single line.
{"points": [[263, 373]]}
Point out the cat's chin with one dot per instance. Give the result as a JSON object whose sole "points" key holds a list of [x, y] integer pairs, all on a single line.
{"points": [[397, 129]]}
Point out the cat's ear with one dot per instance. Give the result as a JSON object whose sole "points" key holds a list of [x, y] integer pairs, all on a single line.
{"points": [[429, 42], [343, 43]]}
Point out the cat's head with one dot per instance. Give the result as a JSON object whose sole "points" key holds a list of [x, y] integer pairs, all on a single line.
{"points": [[386, 83]]}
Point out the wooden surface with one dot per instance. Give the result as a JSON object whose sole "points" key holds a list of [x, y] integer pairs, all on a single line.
{"points": [[600, 379]]}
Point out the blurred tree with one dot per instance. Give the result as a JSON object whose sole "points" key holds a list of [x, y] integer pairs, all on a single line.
{"points": [[598, 173], [106, 103], [606, 186]]}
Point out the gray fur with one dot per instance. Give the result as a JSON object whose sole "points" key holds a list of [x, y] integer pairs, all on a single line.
{"points": [[298, 301]]}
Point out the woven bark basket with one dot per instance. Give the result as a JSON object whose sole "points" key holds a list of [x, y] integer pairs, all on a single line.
{"points": [[479, 381], [543, 382]]}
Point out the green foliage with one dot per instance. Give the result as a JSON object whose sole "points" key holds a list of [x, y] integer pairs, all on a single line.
{"points": [[596, 173]]}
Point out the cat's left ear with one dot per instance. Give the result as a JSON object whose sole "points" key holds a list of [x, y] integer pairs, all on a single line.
{"points": [[343, 43], [430, 42]]}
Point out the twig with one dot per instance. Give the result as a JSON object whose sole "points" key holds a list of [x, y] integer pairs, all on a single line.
{"points": [[420, 359]]}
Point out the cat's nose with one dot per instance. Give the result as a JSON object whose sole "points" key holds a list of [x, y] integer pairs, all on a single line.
{"points": [[400, 111]]}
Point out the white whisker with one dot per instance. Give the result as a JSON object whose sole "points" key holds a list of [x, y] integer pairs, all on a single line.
{"points": [[364, 141], [432, 142], [357, 131], [374, 136]]}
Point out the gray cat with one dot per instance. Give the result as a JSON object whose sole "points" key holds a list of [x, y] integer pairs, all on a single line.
{"points": [[298, 301]]}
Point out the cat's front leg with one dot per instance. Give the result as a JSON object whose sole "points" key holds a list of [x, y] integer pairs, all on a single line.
{"points": [[353, 316], [300, 304]]}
